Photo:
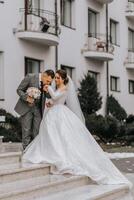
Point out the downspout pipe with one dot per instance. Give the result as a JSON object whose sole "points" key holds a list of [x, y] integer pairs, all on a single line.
{"points": [[56, 32], [107, 62]]}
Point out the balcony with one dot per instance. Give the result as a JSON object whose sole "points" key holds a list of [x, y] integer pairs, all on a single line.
{"points": [[130, 10], [104, 1], [129, 63], [96, 48], [40, 26]]}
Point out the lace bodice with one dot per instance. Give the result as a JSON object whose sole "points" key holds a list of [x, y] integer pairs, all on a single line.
{"points": [[58, 97]]}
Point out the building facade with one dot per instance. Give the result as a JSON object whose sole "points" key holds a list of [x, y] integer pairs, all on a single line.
{"points": [[81, 36]]}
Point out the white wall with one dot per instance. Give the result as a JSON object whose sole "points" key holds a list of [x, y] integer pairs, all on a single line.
{"points": [[70, 49], [15, 50]]}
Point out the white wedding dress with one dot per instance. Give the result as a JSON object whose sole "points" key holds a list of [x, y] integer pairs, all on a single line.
{"points": [[64, 142]]}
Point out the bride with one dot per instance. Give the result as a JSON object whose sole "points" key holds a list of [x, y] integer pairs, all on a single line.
{"points": [[65, 142]]}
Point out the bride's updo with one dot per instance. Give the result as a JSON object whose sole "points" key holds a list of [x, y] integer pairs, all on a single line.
{"points": [[63, 75]]}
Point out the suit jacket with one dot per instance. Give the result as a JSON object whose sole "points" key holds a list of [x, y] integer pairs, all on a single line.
{"points": [[22, 106]]}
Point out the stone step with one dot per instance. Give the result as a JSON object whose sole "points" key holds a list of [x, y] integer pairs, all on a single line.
{"points": [[40, 186], [15, 172], [10, 147], [90, 192], [10, 158]]}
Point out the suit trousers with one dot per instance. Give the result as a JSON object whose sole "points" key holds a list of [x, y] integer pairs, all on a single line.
{"points": [[30, 123]]}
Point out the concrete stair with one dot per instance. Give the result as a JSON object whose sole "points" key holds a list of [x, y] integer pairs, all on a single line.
{"points": [[35, 182], [16, 172], [39, 186], [10, 147], [90, 192], [10, 158]]}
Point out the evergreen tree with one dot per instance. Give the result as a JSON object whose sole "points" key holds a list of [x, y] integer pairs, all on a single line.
{"points": [[89, 96], [115, 109]]}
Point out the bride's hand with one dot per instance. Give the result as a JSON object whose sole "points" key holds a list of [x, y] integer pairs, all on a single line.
{"points": [[49, 104]]}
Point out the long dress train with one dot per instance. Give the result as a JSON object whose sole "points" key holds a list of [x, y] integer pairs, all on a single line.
{"points": [[65, 142]]}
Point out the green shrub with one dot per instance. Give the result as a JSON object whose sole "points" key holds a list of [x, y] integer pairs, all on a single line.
{"points": [[106, 128], [130, 119], [11, 128], [89, 97], [115, 109]]}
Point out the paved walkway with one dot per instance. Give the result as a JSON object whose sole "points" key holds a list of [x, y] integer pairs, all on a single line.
{"points": [[126, 165]]}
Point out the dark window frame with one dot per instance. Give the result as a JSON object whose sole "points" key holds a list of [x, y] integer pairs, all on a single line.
{"points": [[95, 73], [32, 59], [90, 34], [30, 6], [132, 31], [68, 67], [129, 82], [116, 83], [62, 18], [116, 37]]}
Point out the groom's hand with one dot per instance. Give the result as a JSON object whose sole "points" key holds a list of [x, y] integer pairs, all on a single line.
{"points": [[45, 88]]}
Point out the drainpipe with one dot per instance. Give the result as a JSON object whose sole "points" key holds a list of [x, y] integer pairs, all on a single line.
{"points": [[107, 62], [56, 32], [26, 13]]}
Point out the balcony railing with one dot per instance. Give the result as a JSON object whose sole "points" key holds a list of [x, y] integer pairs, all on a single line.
{"points": [[130, 9], [97, 42], [104, 1], [38, 20], [130, 58], [97, 47], [129, 62]]}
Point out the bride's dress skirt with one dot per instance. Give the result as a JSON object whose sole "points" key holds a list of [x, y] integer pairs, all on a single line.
{"points": [[65, 142]]}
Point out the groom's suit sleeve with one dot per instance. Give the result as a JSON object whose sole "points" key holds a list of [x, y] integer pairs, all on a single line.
{"points": [[21, 90]]}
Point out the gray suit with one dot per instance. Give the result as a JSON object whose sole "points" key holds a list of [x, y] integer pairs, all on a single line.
{"points": [[30, 115]]}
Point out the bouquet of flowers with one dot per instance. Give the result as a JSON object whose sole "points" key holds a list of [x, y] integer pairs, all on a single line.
{"points": [[33, 92]]}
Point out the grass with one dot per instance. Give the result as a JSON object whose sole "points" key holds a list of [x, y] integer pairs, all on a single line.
{"points": [[117, 148]]}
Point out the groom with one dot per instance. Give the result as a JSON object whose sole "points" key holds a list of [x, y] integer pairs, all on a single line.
{"points": [[31, 111]]}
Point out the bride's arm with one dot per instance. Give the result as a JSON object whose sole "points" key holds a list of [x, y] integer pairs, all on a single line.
{"points": [[54, 94]]}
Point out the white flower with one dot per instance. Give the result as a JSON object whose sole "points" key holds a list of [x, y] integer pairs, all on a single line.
{"points": [[33, 92]]}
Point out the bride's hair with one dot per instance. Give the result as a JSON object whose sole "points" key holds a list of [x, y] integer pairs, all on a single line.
{"points": [[63, 75]]}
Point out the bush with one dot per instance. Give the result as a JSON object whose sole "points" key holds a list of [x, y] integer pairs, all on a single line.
{"points": [[130, 119], [106, 129], [89, 97], [115, 109], [11, 128]]}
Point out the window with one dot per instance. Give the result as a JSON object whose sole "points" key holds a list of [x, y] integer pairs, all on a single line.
{"points": [[131, 86], [114, 32], [96, 76], [131, 40], [92, 23], [32, 66], [115, 83], [34, 6], [1, 76], [68, 13], [68, 69]]}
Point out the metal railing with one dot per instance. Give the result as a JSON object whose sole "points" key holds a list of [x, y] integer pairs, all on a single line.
{"points": [[130, 6], [130, 57], [38, 20], [97, 42]]}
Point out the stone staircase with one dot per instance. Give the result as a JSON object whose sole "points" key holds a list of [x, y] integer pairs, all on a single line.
{"points": [[35, 182]]}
